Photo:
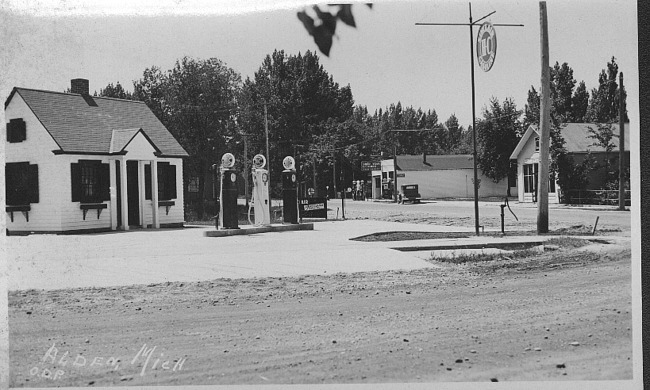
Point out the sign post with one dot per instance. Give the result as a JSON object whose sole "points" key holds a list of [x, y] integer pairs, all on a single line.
{"points": [[486, 47]]}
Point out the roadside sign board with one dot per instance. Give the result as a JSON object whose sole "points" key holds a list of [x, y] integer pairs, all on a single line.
{"points": [[486, 46], [370, 165], [313, 208], [401, 174]]}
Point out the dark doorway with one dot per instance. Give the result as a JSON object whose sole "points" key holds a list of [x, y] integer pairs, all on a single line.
{"points": [[132, 193], [118, 175]]}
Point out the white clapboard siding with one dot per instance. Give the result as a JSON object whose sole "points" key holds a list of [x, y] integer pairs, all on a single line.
{"points": [[35, 149]]}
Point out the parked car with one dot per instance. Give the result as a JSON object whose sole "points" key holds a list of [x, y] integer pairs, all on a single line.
{"points": [[409, 192]]}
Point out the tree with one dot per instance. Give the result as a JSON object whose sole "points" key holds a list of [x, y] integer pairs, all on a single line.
{"points": [[454, 132], [195, 100], [570, 175], [531, 110], [562, 84], [300, 98], [603, 136], [568, 104], [579, 103], [115, 91], [603, 106], [325, 29], [497, 137]]}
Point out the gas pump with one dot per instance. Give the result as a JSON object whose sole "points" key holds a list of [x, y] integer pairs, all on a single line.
{"points": [[289, 190], [228, 194], [260, 198]]}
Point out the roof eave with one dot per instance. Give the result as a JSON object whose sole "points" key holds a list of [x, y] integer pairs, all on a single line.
{"points": [[86, 153]]}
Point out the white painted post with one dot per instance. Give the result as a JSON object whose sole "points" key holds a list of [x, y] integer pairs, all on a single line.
{"points": [[155, 217], [113, 192], [124, 195], [141, 185]]}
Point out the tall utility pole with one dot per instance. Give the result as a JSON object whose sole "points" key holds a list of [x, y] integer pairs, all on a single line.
{"points": [[395, 172], [474, 154], [544, 126], [268, 156], [246, 173], [313, 160], [471, 25], [621, 144], [334, 172]]}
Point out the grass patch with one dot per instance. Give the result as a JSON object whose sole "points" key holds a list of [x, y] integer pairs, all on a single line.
{"points": [[578, 230], [568, 242], [409, 235], [486, 257]]}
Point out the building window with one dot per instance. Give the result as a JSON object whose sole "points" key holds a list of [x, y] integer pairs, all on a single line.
{"points": [[21, 183], [90, 181], [530, 178], [166, 181], [537, 144], [89, 185], [16, 130]]}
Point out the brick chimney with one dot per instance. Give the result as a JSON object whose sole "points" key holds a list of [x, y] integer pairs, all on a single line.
{"points": [[79, 86]]}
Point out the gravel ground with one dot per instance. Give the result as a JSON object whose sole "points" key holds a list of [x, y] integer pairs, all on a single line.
{"points": [[560, 315]]}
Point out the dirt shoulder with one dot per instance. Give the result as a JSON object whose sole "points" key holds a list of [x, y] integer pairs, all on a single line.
{"points": [[563, 315]]}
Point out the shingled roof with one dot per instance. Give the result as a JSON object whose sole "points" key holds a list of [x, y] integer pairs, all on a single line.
{"points": [[577, 138], [78, 127]]}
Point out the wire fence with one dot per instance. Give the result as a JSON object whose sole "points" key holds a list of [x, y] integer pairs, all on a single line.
{"points": [[599, 197]]}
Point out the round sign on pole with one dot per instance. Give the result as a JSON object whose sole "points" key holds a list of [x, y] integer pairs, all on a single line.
{"points": [[486, 46]]}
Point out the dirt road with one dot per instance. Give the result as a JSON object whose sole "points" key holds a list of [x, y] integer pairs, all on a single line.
{"points": [[563, 315]]}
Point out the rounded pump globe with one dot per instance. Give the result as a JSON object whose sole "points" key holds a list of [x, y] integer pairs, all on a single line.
{"points": [[289, 163], [227, 160], [259, 161]]}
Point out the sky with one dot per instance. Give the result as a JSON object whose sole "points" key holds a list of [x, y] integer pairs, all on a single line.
{"points": [[385, 59]]}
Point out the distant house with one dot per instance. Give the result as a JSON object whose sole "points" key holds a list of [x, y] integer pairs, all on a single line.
{"points": [[437, 176], [79, 163], [578, 144]]}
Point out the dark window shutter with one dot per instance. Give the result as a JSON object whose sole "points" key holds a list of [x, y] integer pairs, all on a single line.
{"points": [[33, 183], [147, 182], [20, 131], [16, 130], [75, 172], [11, 183], [17, 183], [104, 181], [162, 180], [10, 132], [171, 181]]}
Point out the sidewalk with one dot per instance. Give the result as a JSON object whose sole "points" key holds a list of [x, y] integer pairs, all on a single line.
{"points": [[171, 255]]}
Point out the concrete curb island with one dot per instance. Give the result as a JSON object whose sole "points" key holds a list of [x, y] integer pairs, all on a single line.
{"points": [[248, 229]]}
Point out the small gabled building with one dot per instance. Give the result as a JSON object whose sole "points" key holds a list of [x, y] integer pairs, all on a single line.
{"points": [[578, 144], [437, 177], [81, 163]]}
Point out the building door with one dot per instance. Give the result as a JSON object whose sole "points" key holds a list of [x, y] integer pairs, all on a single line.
{"points": [[133, 193]]}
